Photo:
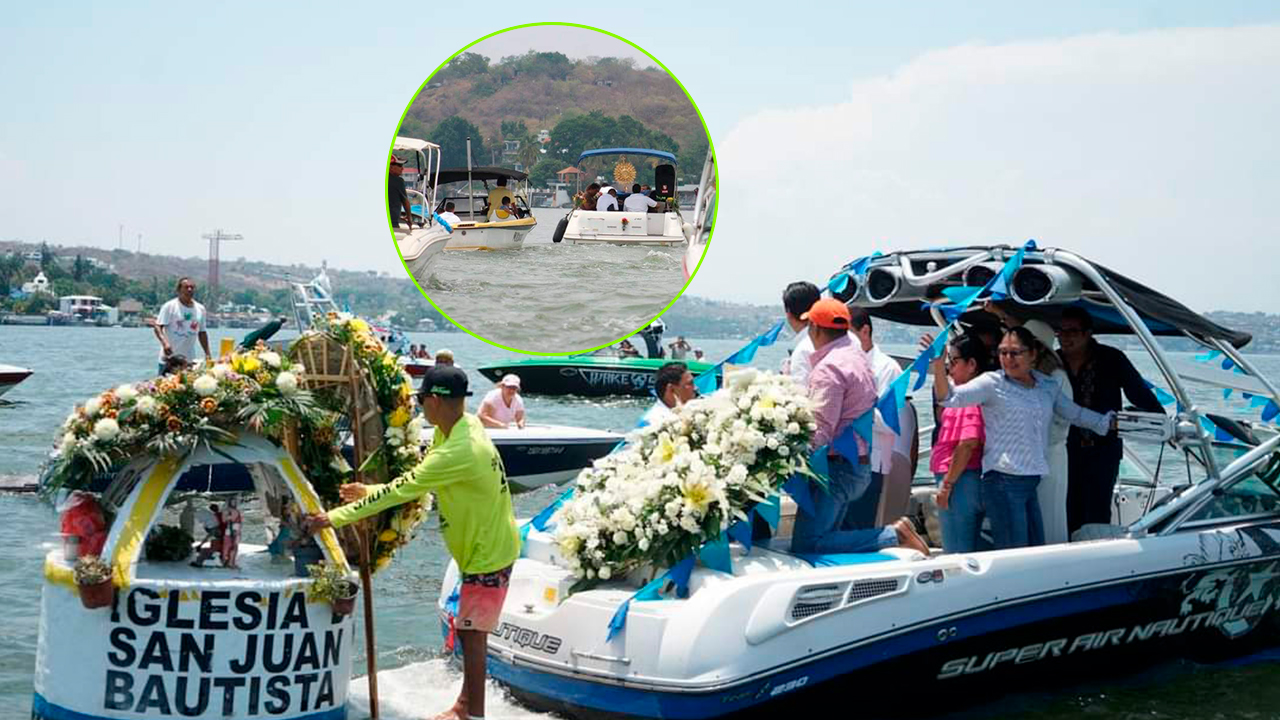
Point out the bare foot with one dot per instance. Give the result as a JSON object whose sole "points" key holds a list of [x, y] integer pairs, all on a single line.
{"points": [[457, 712], [908, 538]]}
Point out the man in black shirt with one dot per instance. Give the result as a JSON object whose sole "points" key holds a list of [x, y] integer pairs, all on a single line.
{"points": [[1098, 375], [396, 195]]}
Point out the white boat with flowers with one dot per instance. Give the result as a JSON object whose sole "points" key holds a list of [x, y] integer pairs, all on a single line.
{"points": [[129, 628], [662, 226], [1189, 567], [428, 235]]}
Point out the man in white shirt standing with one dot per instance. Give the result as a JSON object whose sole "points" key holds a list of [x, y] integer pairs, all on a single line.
{"points": [[885, 370], [502, 406], [674, 387], [178, 324], [796, 301], [637, 201]]}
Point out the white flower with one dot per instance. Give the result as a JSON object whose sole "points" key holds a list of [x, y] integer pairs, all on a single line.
{"points": [[92, 407], [146, 405], [605, 573], [205, 385], [287, 382], [70, 421], [221, 370], [68, 444], [395, 436], [126, 393], [270, 358], [620, 538], [106, 429]]}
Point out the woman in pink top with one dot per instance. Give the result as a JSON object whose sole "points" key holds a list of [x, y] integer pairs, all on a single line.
{"points": [[956, 459]]}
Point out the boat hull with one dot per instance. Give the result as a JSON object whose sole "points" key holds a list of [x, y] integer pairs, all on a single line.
{"points": [[588, 376], [492, 236], [592, 227], [420, 248], [979, 626], [10, 376], [549, 455]]}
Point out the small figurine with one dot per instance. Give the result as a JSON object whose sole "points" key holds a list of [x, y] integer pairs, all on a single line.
{"points": [[231, 521], [222, 533], [211, 520]]}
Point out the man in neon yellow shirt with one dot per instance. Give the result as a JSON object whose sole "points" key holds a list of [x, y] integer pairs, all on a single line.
{"points": [[465, 472]]}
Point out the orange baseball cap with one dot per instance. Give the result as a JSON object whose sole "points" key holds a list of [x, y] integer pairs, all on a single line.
{"points": [[829, 313]]}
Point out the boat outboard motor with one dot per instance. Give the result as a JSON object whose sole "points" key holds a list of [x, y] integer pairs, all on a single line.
{"points": [[665, 175]]}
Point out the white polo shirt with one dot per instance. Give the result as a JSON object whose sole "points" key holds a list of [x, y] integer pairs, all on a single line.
{"points": [[638, 202]]}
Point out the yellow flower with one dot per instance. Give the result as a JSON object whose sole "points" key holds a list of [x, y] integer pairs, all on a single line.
{"points": [[766, 403], [399, 417], [359, 326], [388, 536], [245, 364], [666, 450], [698, 495]]}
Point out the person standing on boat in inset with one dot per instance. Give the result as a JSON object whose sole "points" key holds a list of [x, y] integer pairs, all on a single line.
{"points": [[178, 325], [674, 387], [1018, 404], [638, 201], [496, 195], [397, 196], [842, 389], [1099, 373], [956, 457], [502, 406], [465, 471], [797, 298], [449, 216], [680, 348], [885, 370]]}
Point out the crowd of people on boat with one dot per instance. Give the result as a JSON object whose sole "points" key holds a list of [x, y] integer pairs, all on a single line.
{"points": [[641, 198]]}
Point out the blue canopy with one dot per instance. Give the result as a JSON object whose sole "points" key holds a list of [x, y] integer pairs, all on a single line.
{"points": [[628, 151]]}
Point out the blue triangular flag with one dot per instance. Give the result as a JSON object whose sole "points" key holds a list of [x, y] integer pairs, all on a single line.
{"points": [[1270, 411], [706, 382], [679, 574], [619, 619], [715, 554], [838, 283], [740, 531], [771, 511], [797, 486]]}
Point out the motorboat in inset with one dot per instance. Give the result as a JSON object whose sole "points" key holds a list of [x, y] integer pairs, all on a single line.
{"points": [[661, 225], [704, 217], [427, 235], [1188, 567]]}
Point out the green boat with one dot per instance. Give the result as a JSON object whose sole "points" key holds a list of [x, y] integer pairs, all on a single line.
{"points": [[590, 375]]}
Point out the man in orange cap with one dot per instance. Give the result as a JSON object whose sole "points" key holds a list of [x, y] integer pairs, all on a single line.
{"points": [[842, 389]]}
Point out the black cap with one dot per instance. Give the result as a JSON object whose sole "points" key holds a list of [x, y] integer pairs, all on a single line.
{"points": [[444, 381]]}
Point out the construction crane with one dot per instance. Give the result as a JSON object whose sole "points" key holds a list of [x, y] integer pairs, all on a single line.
{"points": [[216, 238]]}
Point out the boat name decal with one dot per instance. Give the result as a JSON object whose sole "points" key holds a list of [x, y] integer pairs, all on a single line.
{"points": [[1238, 598], [526, 638], [612, 378], [195, 653], [544, 450]]}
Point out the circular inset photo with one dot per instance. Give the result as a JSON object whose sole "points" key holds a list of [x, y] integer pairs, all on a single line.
{"points": [[551, 189]]}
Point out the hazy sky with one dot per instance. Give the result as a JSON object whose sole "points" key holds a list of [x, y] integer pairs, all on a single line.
{"points": [[1140, 133]]}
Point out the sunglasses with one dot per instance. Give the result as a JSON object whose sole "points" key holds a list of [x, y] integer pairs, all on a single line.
{"points": [[1012, 353]]}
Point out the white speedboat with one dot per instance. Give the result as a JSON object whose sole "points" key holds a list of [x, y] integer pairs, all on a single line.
{"points": [[585, 226], [704, 217], [484, 225], [1193, 572], [539, 455], [421, 243], [10, 376]]}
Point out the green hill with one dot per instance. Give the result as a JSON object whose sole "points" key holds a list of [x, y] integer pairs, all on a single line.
{"points": [[599, 102]]}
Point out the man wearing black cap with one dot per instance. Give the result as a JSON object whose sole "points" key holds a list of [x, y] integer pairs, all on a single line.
{"points": [[397, 197], [465, 472]]}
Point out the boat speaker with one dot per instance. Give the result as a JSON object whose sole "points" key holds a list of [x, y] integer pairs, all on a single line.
{"points": [[979, 275], [850, 291], [886, 284], [1040, 284]]}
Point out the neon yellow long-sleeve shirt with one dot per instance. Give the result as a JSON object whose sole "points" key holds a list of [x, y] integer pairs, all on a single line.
{"points": [[465, 472]]}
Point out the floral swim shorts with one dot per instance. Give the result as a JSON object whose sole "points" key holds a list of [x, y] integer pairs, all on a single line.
{"points": [[480, 602]]}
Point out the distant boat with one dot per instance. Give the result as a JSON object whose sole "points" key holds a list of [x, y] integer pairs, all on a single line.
{"points": [[10, 376], [585, 226]]}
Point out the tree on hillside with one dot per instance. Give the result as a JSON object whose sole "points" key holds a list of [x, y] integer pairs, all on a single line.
{"points": [[530, 154], [78, 269], [513, 130], [464, 65], [554, 65], [544, 173], [451, 135]]}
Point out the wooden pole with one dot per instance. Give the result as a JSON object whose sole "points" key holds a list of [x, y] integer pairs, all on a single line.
{"points": [[362, 538]]}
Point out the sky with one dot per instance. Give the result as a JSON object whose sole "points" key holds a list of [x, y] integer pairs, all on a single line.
{"points": [[1140, 134]]}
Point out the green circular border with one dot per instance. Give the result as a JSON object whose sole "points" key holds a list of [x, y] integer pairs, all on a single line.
{"points": [[710, 148]]}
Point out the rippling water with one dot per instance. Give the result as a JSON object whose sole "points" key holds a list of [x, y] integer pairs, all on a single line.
{"points": [[73, 363], [555, 297]]}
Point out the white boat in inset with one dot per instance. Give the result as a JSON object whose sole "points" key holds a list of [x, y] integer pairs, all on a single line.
{"points": [[419, 245], [585, 226], [704, 217], [1189, 566]]}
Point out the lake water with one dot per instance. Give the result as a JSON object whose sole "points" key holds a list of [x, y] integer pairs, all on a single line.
{"points": [[555, 297], [73, 363]]}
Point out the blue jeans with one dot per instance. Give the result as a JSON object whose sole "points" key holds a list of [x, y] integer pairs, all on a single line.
{"points": [[1010, 501], [962, 520], [863, 509], [820, 532]]}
